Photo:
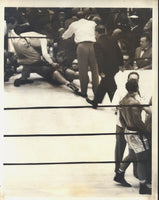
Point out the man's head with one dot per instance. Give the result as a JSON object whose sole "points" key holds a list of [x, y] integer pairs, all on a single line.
{"points": [[97, 19], [80, 14], [117, 33], [61, 16], [100, 30], [11, 23], [75, 65], [134, 76], [132, 86], [145, 41]]}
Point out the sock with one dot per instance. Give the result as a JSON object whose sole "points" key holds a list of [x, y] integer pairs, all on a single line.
{"points": [[142, 181], [120, 171]]}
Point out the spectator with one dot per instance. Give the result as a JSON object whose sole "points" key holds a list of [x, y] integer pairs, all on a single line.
{"points": [[143, 54], [124, 45], [148, 27]]}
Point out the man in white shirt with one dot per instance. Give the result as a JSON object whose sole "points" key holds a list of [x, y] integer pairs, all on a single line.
{"points": [[84, 36]]}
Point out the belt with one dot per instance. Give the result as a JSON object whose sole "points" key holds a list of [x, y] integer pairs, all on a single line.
{"points": [[131, 129], [85, 42]]}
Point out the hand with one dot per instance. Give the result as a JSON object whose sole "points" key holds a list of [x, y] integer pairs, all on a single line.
{"points": [[54, 65], [102, 75]]}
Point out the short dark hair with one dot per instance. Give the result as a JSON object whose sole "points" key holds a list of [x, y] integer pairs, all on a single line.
{"points": [[97, 20], [11, 20], [132, 86], [133, 73], [101, 29], [147, 36], [80, 14]]}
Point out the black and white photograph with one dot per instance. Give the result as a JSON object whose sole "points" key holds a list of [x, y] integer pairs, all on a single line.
{"points": [[79, 100]]}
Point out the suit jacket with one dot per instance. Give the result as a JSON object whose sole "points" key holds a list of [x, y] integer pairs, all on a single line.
{"points": [[146, 58], [108, 55]]}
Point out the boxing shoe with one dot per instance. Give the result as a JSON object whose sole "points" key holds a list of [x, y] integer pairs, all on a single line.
{"points": [[19, 82], [73, 87], [144, 189], [119, 177], [92, 102]]}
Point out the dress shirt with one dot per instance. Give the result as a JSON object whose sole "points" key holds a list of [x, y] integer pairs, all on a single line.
{"points": [[83, 29], [143, 51]]}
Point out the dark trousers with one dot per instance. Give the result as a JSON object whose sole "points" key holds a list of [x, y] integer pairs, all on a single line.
{"points": [[119, 147], [143, 165], [44, 71], [107, 84], [86, 58]]}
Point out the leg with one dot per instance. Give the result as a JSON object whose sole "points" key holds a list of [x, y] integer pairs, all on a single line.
{"points": [[149, 167], [127, 160], [112, 89], [71, 75], [82, 56], [143, 167], [111, 95], [54, 76], [94, 68], [119, 177], [59, 78], [139, 145], [119, 147], [24, 76], [101, 91], [107, 84], [142, 159], [135, 169]]}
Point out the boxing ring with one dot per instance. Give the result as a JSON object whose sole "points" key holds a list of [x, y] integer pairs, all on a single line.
{"points": [[57, 146]]}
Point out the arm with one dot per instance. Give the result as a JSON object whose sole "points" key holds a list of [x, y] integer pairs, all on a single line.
{"points": [[136, 118], [68, 33], [148, 110], [100, 57], [43, 43], [122, 121]]}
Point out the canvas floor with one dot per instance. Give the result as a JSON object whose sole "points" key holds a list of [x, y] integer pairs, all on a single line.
{"points": [[56, 181]]}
